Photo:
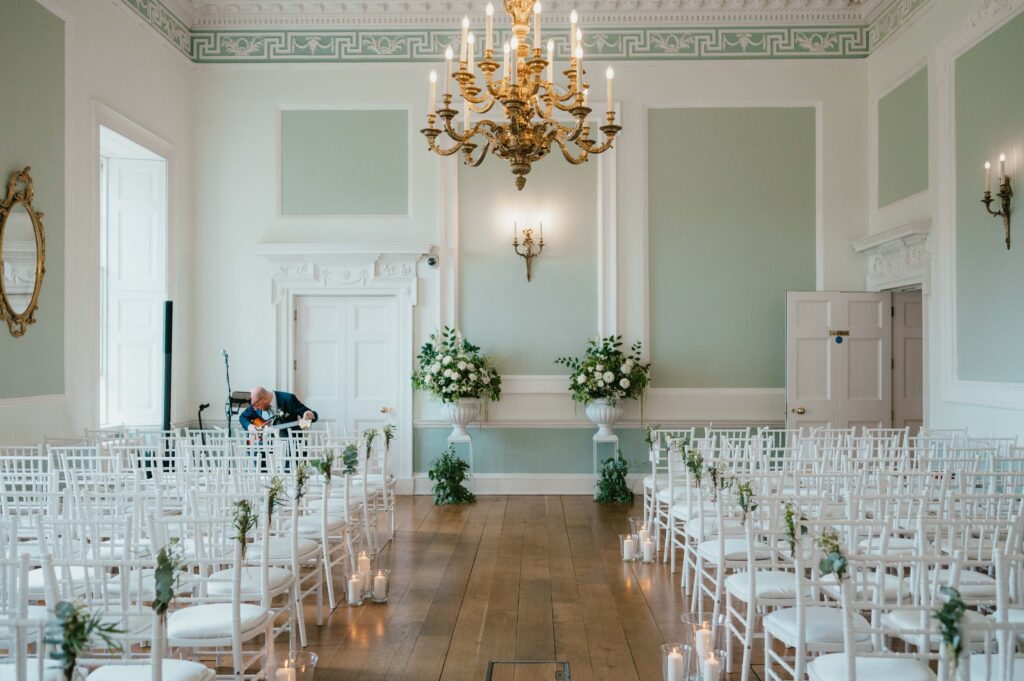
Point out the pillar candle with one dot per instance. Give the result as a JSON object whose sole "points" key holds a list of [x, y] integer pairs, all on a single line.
{"points": [[506, 67], [380, 585], [1002, 168], [536, 25], [465, 34], [610, 75], [489, 40], [674, 668], [551, 61], [579, 61], [573, 19], [433, 91], [448, 54], [284, 675], [355, 589], [711, 668], [514, 48], [988, 176], [628, 549], [648, 551], [702, 641], [472, 51]]}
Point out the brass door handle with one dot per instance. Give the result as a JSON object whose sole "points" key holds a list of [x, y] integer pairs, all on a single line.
{"points": [[800, 411], [385, 410]]}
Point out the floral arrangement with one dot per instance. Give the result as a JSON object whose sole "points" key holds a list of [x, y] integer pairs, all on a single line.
{"points": [[275, 495], [607, 372], [350, 458], [388, 431], [833, 562], [169, 564], [452, 368], [694, 461], [301, 479], [790, 517], [369, 436], [745, 497], [612, 487], [325, 464]]}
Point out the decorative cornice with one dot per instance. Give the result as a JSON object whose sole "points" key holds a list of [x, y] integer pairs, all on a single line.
{"points": [[330, 31], [896, 257]]}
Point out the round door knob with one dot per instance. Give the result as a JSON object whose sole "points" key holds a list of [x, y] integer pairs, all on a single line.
{"points": [[800, 411], [385, 410]]}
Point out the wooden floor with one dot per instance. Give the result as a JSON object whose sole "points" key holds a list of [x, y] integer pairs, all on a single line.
{"points": [[519, 577]]}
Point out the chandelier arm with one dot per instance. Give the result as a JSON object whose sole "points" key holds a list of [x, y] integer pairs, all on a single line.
{"points": [[484, 109], [483, 154], [601, 148], [436, 148], [575, 160]]}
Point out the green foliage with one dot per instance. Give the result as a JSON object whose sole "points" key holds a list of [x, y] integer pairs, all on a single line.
{"points": [[388, 431], [245, 522], [350, 457], [649, 436], [745, 497], [790, 518], [324, 465], [275, 495], [369, 436], [451, 368], [74, 630], [833, 562], [694, 461], [612, 487], [949, 622], [448, 473], [606, 372], [169, 563], [301, 479], [719, 481]]}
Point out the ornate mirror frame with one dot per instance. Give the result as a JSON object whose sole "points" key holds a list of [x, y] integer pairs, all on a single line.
{"points": [[18, 322]]}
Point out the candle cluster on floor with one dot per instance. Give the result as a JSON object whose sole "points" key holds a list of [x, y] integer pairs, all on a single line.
{"points": [[365, 583]]}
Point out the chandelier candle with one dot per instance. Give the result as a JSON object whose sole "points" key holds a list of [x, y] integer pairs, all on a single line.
{"points": [[610, 75], [529, 107], [433, 91]]}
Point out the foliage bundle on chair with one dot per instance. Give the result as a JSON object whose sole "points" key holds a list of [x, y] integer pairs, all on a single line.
{"points": [[245, 522], [350, 458], [169, 564], [606, 372], [325, 464], [452, 368], [949, 616], [448, 473], [612, 487], [74, 630]]}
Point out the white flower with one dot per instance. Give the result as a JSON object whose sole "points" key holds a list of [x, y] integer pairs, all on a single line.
{"points": [[434, 369], [608, 377], [472, 377], [447, 359], [462, 366], [627, 366], [624, 383], [447, 372], [428, 378], [455, 375], [486, 379], [581, 379], [600, 367], [600, 384], [471, 367]]}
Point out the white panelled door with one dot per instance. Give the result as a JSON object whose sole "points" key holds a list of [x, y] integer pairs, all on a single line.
{"points": [[908, 360], [838, 359], [135, 286], [346, 363]]}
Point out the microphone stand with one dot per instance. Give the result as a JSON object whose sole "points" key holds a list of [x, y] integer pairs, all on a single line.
{"points": [[227, 404]]}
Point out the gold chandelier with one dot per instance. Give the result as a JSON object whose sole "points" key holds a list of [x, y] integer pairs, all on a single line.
{"points": [[526, 92]]}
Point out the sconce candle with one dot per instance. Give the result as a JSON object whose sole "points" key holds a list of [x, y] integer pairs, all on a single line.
{"points": [[1004, 195], [610, 74]]}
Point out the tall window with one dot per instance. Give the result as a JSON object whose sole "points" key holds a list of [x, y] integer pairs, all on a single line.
{"points": [[133, 262]]}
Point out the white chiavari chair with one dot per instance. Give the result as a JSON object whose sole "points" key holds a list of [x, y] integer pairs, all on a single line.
{"points": [[665, 444], [330, 528], [25, 657]]}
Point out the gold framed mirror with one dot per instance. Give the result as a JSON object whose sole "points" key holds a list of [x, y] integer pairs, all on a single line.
{"points": [[22, 254]]}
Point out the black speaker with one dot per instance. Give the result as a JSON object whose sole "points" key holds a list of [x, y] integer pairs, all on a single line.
{"points": [[168, 333]]}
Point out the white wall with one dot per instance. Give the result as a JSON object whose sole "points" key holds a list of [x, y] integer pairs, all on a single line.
{"points": [[114, 60], [943, 29]]}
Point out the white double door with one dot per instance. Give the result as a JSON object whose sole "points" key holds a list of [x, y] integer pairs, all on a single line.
{"points": [[346, 363], [839, 359]]}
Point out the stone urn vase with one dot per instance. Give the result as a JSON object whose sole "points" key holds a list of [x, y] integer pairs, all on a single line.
{"points": [[460, 414], [603, 415]]}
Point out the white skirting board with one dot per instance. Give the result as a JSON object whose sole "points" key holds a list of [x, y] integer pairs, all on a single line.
{"points": [[520, 483]]}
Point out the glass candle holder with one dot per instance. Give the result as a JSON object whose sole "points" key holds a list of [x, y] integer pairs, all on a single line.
{"points": [[297, 666], [705, 635], [636, 523], [364, 568], [628, 547], [712, 666], [381, 585], [648, 550], [354, 590], [675, 660]]}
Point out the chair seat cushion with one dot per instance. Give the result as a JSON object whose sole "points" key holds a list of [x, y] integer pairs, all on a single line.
{"points": [[972, 584], [730, 527], [832, 667], [992, 668], [51, 670], [311, 524], [910, 620], [281, 548], [37, 578], [735, 549], [769, 584], [142, 581], [678, 494], [895, 545], [220, 582], [173, 670], [824, 626], [683, 510], [660, 478], [894, 587], [212, 621]]}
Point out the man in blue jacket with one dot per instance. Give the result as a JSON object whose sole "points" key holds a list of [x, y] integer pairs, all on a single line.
{"points": [[274, 407]]}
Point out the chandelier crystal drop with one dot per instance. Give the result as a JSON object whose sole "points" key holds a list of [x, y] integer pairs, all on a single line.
{"points": [[526, 93]]}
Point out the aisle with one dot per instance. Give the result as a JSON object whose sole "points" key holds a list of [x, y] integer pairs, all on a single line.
{"points": [[508, 578]]}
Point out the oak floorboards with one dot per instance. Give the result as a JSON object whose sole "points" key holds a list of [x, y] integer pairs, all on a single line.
{"points": [[516, 577]]}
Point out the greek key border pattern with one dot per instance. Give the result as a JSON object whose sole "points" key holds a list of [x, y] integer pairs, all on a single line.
{"points": [[892, 19], [164, 22], [413, 45]]}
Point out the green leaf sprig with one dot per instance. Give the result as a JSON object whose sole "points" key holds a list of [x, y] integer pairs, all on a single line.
{"points": [[301, 479], [745, 497], [350, 458], [275, 495], [949, 616], [169, 564], [74, 629], [369, 436], [388, 431], [244, 522], [448, 472], [790, 518], [719, 481], [324, 465], [649, 434], [694, 461], [833, 562], [612, 487]]}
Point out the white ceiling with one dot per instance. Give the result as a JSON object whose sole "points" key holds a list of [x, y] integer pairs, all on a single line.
{"points": [[423, 13]]}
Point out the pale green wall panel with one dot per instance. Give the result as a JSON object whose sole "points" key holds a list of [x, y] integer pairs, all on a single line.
{"points": [[903, 140], [530, 450], [989, 279], [732, 228], [351, 162], [526, 325], [32, 111]]}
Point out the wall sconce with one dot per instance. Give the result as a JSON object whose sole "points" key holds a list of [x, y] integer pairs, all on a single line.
{"points": [[1005, 194], [528, 252]]}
